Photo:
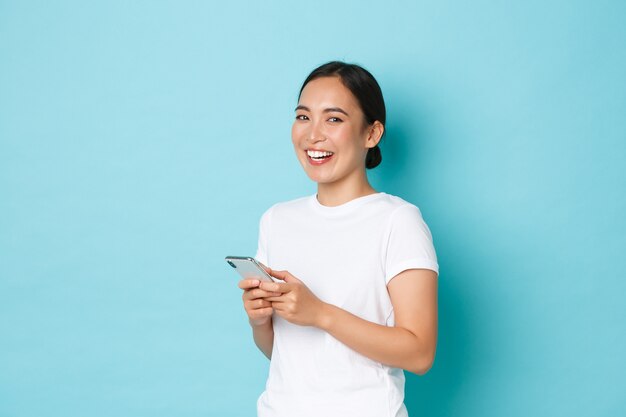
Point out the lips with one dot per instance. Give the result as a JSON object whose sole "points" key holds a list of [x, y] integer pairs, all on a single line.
{"points": [[318, 157]]}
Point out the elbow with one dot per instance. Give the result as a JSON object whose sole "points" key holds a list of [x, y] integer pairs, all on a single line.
{"points": [[421, 369], [422, 363]]}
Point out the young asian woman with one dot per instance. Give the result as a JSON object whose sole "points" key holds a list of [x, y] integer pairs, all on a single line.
{"points": [[354, 302]]}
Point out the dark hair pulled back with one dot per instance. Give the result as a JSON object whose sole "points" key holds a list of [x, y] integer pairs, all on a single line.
{"points": [[365, 89]]}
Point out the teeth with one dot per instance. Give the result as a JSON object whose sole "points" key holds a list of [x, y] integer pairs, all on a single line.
{"points": [[319, 154]]}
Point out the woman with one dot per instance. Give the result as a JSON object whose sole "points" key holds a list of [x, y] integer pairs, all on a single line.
{"points": [[355, 296]]}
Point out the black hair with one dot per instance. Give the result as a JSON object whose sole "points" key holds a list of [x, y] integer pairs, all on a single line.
{"points": [[365, 88]]}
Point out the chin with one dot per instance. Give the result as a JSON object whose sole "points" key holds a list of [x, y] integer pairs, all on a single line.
{"points": [[321, 175], [316, 177]]}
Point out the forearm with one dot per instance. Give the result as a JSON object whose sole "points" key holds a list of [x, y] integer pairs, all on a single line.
{"points": [[264, 337], [392, 346]]}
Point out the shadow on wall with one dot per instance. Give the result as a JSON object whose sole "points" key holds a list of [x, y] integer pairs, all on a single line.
{"points": [[434, 393], [408, 174]]}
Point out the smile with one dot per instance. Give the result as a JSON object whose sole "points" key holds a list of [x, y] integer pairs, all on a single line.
{"points": [[318, 157]]}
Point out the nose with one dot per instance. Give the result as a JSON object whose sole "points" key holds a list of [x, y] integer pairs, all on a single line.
{"points": [[316, 133]]}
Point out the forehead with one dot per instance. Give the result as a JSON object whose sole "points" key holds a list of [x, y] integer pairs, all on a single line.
{"points": [[327, 92]]}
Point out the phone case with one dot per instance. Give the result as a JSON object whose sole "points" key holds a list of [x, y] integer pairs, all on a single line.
{"points": [[248, 267]]}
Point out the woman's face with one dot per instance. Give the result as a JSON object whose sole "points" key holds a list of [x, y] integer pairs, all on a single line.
{"points": [[330, 135]]}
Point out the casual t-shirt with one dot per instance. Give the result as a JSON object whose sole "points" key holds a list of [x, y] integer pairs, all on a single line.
{"points": [[346, 255]]}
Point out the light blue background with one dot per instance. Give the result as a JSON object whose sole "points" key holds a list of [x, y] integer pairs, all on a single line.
{"points": [[141, 141]]}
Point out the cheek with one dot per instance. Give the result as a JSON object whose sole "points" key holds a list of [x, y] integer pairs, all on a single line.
{"points": [[296, 133], [296, 137], [347, 138]]}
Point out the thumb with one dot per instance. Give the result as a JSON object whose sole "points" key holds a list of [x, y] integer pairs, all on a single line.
{"points": [[285, 276]]}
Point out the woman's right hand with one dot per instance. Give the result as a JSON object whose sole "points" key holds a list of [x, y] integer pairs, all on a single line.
{"points": [[258, 309]]}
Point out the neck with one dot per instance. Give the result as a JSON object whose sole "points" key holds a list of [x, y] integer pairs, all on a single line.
{"points": [[338, 193]]}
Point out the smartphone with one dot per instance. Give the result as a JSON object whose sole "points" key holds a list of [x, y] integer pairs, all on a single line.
{"points": [[248, 267]]}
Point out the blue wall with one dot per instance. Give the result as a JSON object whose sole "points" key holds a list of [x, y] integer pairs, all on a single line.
{"points": [[141, 141]]}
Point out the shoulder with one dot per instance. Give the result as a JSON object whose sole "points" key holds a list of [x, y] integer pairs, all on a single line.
{"points": [[297, 205], [294, 204], [397, 207], [404, 218], [409, 241]]}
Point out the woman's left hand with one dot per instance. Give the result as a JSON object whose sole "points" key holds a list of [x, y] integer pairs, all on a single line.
{"points": [[296, 304]]}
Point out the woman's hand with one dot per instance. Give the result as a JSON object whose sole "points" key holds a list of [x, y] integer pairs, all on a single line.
{"points": [[258, 309], [295, 303]]}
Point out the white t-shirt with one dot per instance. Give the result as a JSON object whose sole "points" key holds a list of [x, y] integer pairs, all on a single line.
{"points": [[346, 255]]}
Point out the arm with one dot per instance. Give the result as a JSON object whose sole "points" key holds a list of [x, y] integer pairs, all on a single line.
{"points": [[264, 337], [409, 345]]}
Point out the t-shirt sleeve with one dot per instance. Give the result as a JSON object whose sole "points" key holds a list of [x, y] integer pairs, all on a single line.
{"points": [[410, 244], [262, 247]]}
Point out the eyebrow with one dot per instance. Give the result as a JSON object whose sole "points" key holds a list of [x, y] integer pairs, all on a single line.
{"points": [[327, 110]]}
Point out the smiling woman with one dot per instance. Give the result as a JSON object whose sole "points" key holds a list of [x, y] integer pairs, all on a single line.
{"points": [[354, 301], [332, 136]]}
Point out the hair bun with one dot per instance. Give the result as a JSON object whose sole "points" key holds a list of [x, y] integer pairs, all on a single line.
{"points": [[373, 157]]}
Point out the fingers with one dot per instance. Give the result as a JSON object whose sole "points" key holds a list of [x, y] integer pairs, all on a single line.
{"points": [[275, 287], [282, 308], [262, 298], [284, 276], [260, 313], [258, 304], [279, 274], [258, 309], [257, 293], [245, 284]]}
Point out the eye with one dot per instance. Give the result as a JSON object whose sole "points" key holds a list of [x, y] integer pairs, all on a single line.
{"points": [[335, 120], [301, 117]]}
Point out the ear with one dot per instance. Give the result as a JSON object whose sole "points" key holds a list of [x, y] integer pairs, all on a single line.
{"points": [[375, 133]]}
